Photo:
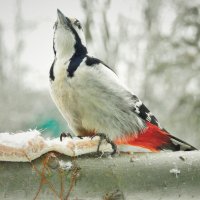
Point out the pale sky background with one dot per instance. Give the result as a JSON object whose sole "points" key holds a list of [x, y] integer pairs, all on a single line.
{"points": [[41, 14]]}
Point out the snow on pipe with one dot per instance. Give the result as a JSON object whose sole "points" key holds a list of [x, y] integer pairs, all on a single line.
{"points": [[26, 146]]}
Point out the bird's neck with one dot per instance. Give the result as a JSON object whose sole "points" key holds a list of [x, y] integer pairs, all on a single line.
{"points": [[64, 53], [68, 53]]}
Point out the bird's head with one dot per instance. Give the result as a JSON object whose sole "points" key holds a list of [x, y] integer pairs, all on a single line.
{"points": [[69, 38]]}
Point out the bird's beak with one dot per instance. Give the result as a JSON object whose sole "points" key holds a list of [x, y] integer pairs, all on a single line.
{"points": [[61, 18]]}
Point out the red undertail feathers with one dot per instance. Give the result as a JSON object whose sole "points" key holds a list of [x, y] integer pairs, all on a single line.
{"points": [[154, 139]]}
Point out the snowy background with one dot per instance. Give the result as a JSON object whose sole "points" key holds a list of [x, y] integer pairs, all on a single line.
{"points": [[154, 46]]}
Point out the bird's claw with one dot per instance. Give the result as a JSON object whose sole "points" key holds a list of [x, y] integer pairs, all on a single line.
{"points": [[102, 137], [63, 134]]}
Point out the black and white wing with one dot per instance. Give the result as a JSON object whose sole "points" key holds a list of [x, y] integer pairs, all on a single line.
{"points": [[143, 111], [137, 106]]}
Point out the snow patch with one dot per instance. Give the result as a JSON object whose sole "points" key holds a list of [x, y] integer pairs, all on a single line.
{"points": [[18, 140], [65, 165]]}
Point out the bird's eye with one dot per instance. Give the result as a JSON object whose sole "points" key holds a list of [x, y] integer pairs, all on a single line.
{"points": [[78, 24]]}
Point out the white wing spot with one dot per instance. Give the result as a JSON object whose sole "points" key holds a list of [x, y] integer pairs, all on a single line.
{"points": [[137, 106]]}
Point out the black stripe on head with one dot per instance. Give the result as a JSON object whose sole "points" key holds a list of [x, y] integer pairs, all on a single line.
{"points": [[55, 27], [78, 24], [80, 49], [51, 72], [54, 50], [80, 52]]}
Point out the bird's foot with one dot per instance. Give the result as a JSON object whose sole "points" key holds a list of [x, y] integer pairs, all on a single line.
{"points": [[102, 137], [63, 134]]}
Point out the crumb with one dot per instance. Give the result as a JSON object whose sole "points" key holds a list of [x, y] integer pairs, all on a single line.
{"points": [[182, 158], [175, 171]]}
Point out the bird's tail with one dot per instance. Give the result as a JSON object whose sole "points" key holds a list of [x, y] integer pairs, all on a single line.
{"points": [[155, 140], [180, 145]]}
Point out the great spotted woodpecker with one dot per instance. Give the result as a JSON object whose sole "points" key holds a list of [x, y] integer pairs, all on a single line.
{"points": [[92, 99]]}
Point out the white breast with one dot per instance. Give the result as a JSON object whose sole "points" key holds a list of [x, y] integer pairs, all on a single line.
{"points": [[64, 94], [94, 99]]}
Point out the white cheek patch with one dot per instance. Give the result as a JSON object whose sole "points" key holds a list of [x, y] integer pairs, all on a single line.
{"points": [[64, 41]]}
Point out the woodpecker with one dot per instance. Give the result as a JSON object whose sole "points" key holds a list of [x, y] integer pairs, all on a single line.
{"points": [[92, 99]]}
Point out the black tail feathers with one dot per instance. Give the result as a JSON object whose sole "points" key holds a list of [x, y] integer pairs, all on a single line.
{"points": [[180, 145]]}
